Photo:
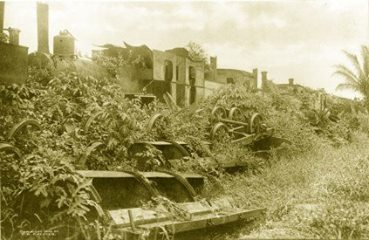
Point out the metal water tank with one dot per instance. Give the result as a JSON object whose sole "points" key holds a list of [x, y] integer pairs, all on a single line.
{"points": [[64, 44]]}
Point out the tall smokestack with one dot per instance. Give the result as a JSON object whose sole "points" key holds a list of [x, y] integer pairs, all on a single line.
{"points": [[255, 75], [2, 6], [213, 66], [264, 80], [291, 81], [43, 27]]}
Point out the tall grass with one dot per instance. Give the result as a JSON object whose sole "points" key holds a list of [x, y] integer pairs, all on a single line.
{"points": [[319, 194]]}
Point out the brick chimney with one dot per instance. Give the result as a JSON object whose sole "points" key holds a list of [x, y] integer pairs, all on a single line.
{"points": [[264, 79], [291, 81], [2, 7], [255, 75], [43, 27]]}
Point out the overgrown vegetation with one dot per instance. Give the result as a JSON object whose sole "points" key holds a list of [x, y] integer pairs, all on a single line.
{"points": [[321, 194], [356, 76], [85, 122]]}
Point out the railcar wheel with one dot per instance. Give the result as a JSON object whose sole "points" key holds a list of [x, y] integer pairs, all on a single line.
{"points": [[255, 123], [219, 112], [219, 131], [154, 120], [236, 114], [20, 126], [10, 148]]}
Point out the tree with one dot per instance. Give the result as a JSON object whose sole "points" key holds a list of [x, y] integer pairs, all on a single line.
{"points": [[357, 78], [196, 52]]}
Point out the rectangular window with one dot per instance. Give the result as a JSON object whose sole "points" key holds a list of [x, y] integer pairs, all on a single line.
{"points": [[230, 81]]}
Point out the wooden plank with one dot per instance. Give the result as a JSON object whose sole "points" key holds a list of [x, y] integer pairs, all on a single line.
{"points": [[104, 174], [116, 174], [212, 219]]}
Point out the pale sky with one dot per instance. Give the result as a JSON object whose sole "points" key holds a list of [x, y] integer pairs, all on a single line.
{"points": [[302, 39]]}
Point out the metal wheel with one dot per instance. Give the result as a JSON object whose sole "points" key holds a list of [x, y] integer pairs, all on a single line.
{"points": [[10, 148], [236, 114], [219, 130], [20, 126], [154, 120], [255, 123], [219, 112]]}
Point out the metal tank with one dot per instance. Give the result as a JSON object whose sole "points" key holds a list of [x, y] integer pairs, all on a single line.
{"points": [[64, 45]]}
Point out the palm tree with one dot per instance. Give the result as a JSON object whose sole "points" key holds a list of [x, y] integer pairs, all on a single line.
{"points": [[358, 78]]}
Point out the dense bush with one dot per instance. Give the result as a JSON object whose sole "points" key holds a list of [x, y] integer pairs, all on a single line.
{"points": [[43, 192], [84, 121], [87, 123]]}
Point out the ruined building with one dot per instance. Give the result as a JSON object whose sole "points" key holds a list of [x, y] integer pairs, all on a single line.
{"points": [[173, 71], [147, 71], [217, 77], [158, 72]]}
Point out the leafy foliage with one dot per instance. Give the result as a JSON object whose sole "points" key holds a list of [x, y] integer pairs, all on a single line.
{"points": [[65, 103], [42, 191], [196, 52], [357, 78]]}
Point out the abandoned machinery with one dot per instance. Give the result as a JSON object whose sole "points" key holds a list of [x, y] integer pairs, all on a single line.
{"points": [[120, 193], [247, 129], [179, 208]]}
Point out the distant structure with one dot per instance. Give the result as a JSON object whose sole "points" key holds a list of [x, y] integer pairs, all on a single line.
{"points": [[64, 45], [173, 71], [13, 57], [291, 86], [43, 28]]}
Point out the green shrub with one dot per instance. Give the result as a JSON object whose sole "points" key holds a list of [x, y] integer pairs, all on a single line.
{"points": [[363, 120], [46, 193]]}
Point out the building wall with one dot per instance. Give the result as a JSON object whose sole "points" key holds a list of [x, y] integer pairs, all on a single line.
{"points": [[199, 81], [238, 76], [134, 79], [181, 88], [199, 68], [211, 86], [13, 64], [181, 81], [159, 59]]}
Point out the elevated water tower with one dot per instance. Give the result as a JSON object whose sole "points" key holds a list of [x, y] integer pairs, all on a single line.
{"points": [[64, 45]]}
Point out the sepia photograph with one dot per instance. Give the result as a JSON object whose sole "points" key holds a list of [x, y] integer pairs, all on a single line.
{"points": [[184, 120]]}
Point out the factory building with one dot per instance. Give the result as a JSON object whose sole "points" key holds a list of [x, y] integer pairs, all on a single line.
{"points": [[174, 71]]}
